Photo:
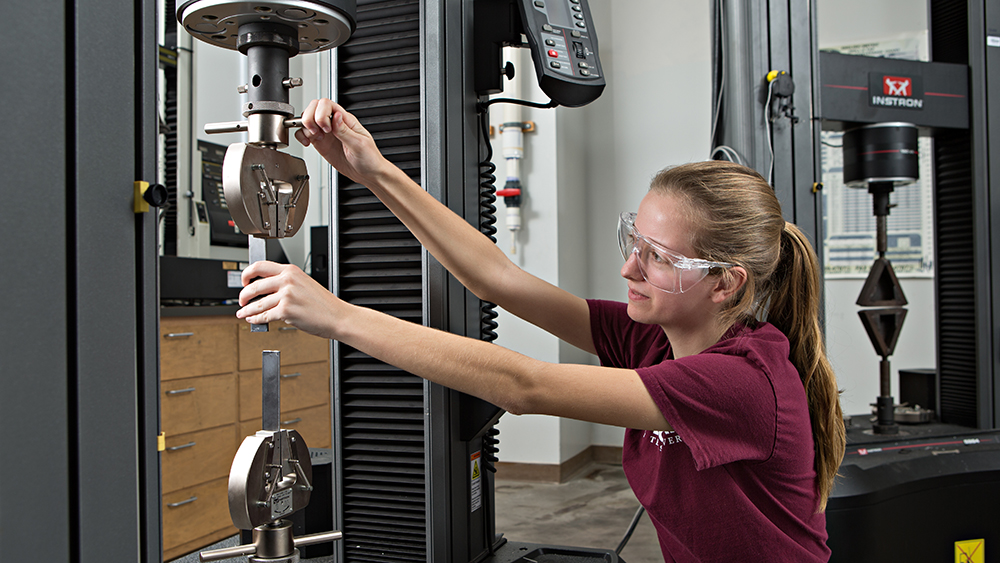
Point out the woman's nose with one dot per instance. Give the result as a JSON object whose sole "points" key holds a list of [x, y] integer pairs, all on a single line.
{"points": [[630, 270]]}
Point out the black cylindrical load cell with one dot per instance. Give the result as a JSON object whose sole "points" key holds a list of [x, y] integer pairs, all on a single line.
{"points": [[882, 152], [268, 48]]}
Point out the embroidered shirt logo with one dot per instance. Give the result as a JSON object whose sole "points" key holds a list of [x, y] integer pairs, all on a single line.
{"points": [[660, 438]]}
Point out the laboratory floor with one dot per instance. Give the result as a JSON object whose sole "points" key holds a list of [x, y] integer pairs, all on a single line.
{"points": [[592, 509]]}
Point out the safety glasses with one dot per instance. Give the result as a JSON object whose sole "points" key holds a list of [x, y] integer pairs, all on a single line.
{"points": [[661, 267]]}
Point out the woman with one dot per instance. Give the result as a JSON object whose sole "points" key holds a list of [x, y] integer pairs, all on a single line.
{"points": [[735, 430]]}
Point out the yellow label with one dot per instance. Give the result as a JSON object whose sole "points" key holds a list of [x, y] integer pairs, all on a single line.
{"points": [[139, 205], [970, 551], [161, 442]]}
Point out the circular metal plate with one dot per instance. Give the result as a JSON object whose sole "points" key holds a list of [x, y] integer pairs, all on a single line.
{"points": [[320, 25], [248, 480]]}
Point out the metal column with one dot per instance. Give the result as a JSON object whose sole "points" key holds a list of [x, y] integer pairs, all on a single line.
{"points": [[79, 360], [754, 38]]}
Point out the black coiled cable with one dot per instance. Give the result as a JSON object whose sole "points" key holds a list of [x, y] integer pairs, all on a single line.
{"points": [[487, 220], [491, 447]]}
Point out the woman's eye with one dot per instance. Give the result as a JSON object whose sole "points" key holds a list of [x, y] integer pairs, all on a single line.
{"points": [[659, 259]]}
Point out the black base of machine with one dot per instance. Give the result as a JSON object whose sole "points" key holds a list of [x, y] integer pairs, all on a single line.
{"points": [[921, 495], [518, 552], [317, 516]]}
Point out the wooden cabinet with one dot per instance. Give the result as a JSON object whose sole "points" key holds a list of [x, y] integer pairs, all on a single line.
{"points": [[210, 399]]}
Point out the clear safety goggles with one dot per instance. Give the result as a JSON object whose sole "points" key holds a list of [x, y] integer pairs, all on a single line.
{"points": [[661, 267]]}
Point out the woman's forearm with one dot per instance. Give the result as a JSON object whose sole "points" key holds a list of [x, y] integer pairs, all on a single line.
{"points": [[512, 381], [475, 367]]}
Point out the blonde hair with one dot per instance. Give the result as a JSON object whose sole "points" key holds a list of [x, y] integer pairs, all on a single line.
{"points": [[739, 221]]}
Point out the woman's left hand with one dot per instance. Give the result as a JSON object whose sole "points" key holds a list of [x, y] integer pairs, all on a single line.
{"points": [[287, 294]]}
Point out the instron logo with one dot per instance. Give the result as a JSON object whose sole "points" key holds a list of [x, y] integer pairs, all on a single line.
{"points": [[897, 86], [902, 92]]}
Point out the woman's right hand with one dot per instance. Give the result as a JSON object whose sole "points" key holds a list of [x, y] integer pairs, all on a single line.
{"points": [[340, 138]]}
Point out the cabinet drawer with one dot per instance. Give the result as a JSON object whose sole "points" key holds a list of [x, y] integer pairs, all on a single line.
{"points": [[194, 512], [197, 457], [193, 346], [296, 346], [187, 405], [312, 423], [302, 385]]}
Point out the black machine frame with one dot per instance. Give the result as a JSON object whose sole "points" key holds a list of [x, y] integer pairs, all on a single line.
{"points": [[888, 506], [781, 34], [80, 358]]}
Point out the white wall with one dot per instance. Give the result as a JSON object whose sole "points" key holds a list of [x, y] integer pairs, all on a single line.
{"points": [[583, 166], [849, 22]]}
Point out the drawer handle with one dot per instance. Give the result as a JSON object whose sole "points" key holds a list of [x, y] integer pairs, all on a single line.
{"points": [[179, 391], [178, 335], [292, 421], [287, 328], [290, 375], [181, 447], [182, 503]]}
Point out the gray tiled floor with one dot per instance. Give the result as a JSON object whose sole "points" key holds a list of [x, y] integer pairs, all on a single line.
{"points": [[592, 510]]}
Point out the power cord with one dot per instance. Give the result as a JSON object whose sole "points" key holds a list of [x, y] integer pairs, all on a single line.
{"points": [[767, 130], [481, 106], [630, 530]]}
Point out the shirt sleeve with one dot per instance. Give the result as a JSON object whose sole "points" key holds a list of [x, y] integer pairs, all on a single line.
{"points": [[608, 331], [723, 406], [621, 342]]}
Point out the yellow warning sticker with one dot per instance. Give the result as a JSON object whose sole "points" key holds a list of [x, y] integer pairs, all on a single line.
{"points": [[477, 489], [970, 551]]}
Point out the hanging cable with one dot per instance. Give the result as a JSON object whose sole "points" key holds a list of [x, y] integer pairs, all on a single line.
{"points": [[767, 130], [630, 530], [481, 106], [721, 70]]}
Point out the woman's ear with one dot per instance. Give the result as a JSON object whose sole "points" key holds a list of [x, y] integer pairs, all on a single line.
{"points": [[729, 283]]}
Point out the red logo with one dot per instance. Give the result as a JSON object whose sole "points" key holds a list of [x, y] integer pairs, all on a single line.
{"points": [[897, 86]]}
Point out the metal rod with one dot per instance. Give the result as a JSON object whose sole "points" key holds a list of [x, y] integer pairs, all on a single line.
{"points": [[885, 377], [226, 127], [271, 390], [226, 553], [881, 234], [318, 538]]}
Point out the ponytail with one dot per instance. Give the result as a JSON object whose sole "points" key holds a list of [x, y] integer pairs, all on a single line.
{"points": [[742, 224], [794, 309]]}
